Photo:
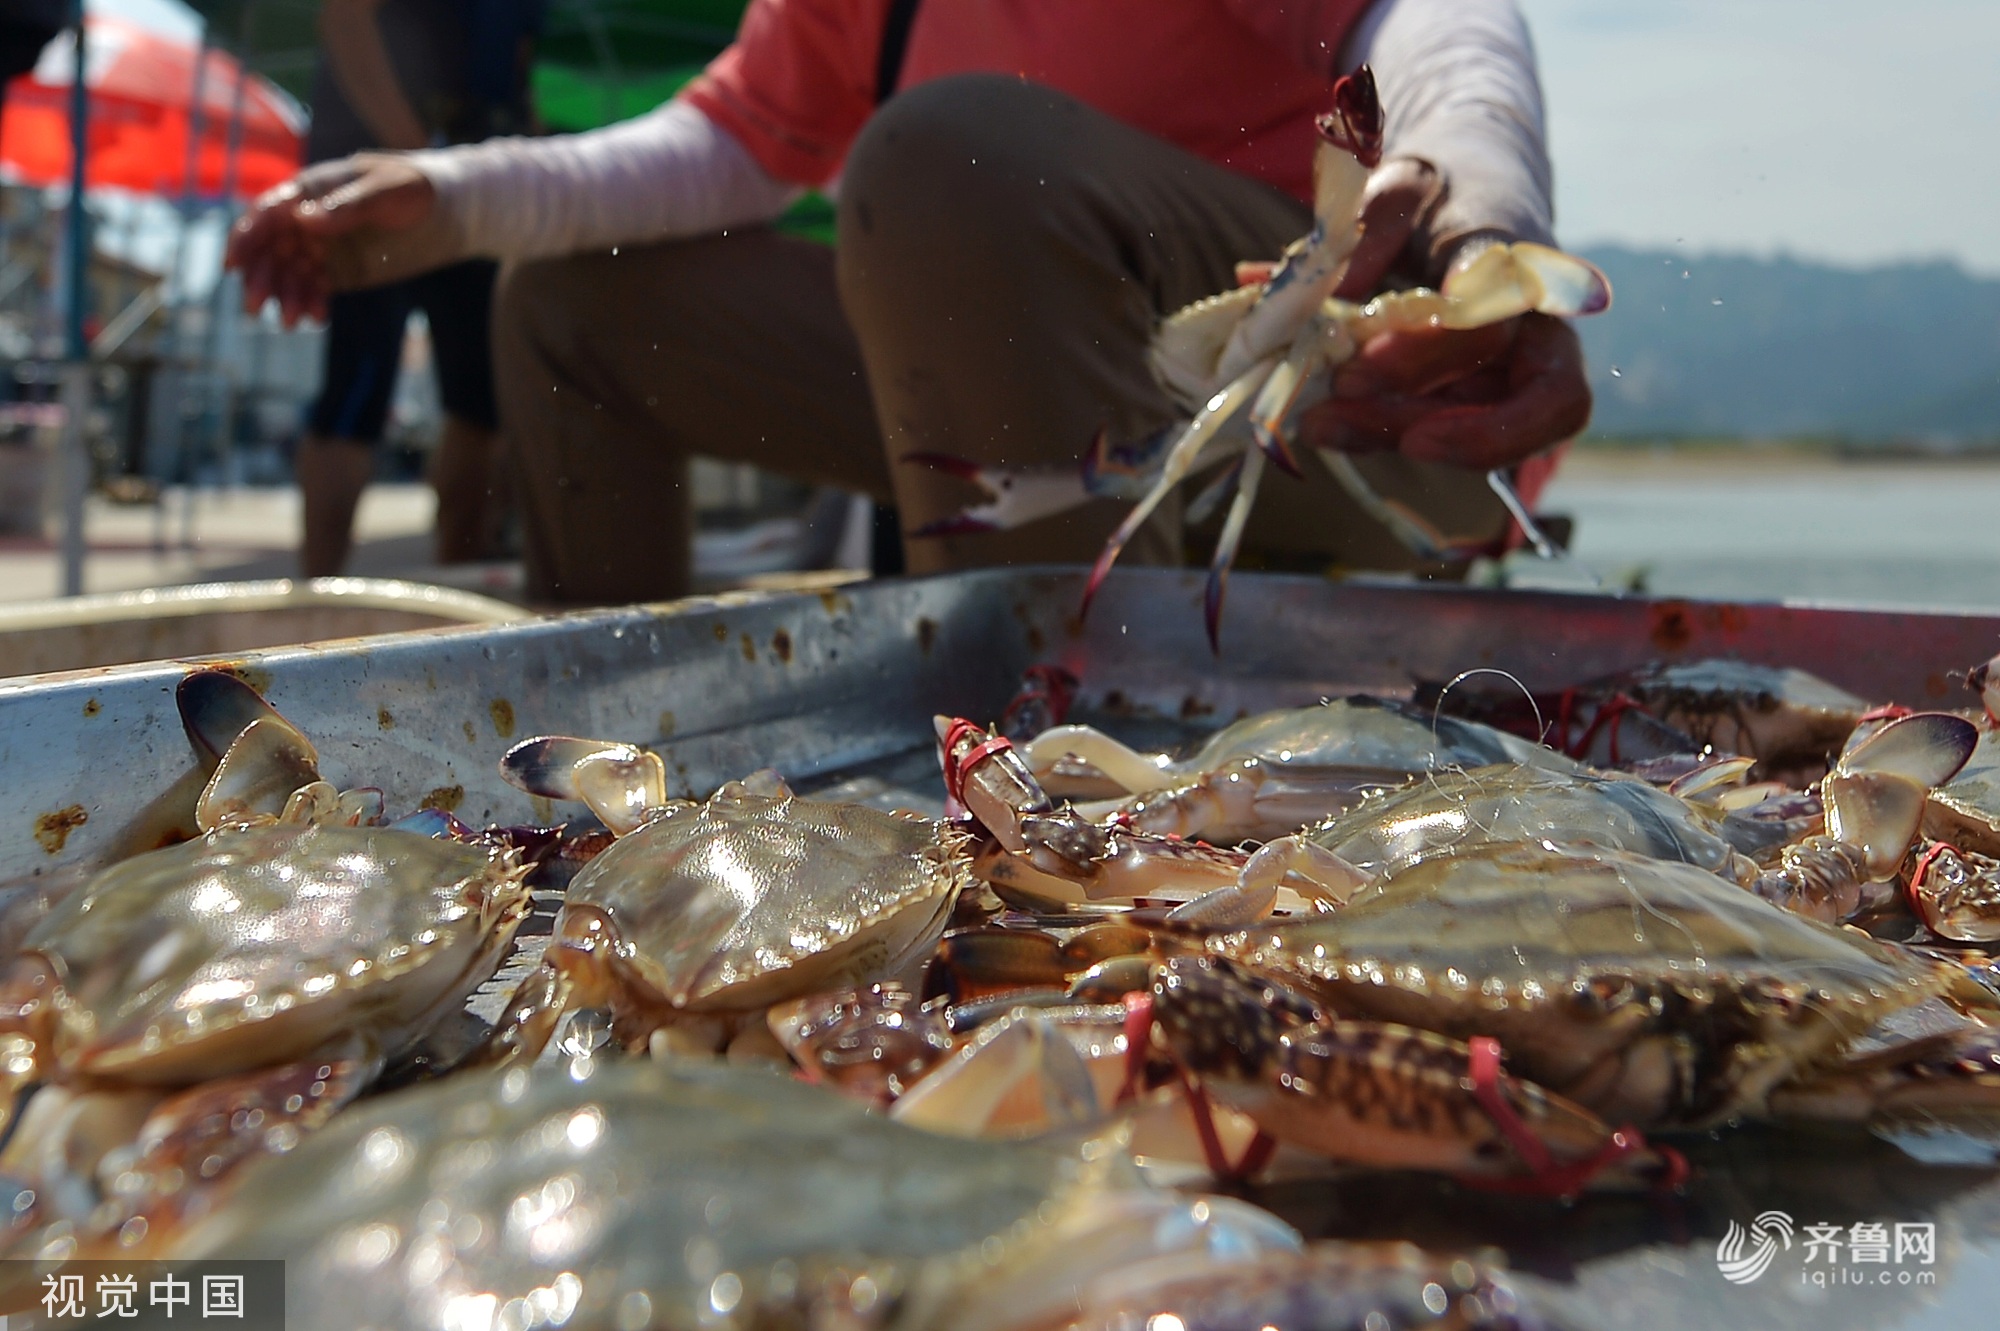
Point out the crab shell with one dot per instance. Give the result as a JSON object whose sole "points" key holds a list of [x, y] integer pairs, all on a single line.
{"points": [[250, 947], [1449, 812], [1646, 991], [1779, 715], [629, 1192], [736, 903]]}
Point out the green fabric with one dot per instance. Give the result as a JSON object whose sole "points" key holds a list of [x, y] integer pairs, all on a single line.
{"points": [[574, 99], [571, 99]]}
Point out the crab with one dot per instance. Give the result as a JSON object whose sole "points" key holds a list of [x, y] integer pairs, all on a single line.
{"points": [[1270, 774], [1253, 357], [1646, 991], [1874, 797], [273, 964], [1789, 720], [1044, 857], [1378, 1093], [702, 914], [612, 1191]]}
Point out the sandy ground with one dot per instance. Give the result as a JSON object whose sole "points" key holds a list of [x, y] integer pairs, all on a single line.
{"points": [[234, 534]]}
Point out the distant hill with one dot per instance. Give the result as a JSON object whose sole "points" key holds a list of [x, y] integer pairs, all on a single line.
{"points": [[1722, 345]]}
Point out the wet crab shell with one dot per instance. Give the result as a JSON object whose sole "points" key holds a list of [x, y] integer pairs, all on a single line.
{"points": [[249, 947], [1450, 812], [746, 899], [1645, 990], [628, 1193]]}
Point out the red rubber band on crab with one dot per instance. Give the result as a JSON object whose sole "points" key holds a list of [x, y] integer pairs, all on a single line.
{"points": [[1609, 712], [1547, 1178], [1932, 853], [957, 769], [1051, 683], [1886, 712], [1138, 1037]]}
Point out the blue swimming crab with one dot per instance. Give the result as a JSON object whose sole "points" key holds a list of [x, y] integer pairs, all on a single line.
{"points": [[197, 1004], [1874, 797], [613, 1191], [1646, 991], [1269, 774], [703, 913]]}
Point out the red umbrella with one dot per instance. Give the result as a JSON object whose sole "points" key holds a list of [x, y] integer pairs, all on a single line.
{"points": [[141, 88]]}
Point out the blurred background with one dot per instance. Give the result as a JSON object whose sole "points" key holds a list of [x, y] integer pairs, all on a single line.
{"points": [[1798, 388]]}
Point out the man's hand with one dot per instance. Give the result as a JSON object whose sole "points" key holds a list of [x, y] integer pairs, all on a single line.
{"points": [[297, 241], [1476, 398]]}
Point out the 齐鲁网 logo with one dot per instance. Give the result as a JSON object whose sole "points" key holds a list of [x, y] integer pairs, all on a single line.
{"points": [[1745, 1254]]}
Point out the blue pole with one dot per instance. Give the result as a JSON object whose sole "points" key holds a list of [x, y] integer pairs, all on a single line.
{"points": [[74, 463], [76, 239]]}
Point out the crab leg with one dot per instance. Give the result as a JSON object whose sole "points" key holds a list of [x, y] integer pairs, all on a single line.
{"points": [[1282, 390], [1018, 495], [1180, 461], [1226, 544]]}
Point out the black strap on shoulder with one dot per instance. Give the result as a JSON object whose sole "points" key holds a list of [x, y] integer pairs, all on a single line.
{"points": [[895, 41]]}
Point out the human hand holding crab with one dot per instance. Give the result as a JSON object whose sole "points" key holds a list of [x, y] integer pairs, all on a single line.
{"points": [[1480, 372], [1470, 397]]}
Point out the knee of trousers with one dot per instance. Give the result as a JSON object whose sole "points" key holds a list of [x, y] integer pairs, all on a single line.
{"points": [[951, 162], [531, 299]]}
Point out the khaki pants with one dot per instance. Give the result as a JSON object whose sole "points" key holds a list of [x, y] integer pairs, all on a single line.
{"points": [[1005, 253]]}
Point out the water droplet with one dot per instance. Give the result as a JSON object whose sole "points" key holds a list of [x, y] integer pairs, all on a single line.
{"points": [[1716, 301]]}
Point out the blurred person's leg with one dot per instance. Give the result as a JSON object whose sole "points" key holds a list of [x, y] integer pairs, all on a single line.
{"points": [[613, 369], [336, 455], [1005, 256], [466, 468]]}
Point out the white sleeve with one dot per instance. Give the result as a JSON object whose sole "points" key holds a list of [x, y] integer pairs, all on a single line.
{"points": [[666, 175], [1458, 86]]}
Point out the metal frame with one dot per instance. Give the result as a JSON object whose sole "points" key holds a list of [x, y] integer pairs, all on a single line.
{"points": [[817, 684]]}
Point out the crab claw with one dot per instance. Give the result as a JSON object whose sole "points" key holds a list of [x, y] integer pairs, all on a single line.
{"points": [[215, 708], [1876, 794], [256, 779], [1018, 496], [1502, 281], [621, 784], [984, 775], [1925, 747], [1356, 122]]}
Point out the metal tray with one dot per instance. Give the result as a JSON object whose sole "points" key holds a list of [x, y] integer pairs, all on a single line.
{"points": [[837, 688]]}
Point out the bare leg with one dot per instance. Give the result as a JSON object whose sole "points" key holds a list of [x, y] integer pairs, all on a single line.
{"points": [[332, 474], [465, 472]]}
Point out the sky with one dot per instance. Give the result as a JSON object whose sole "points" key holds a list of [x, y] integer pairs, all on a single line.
{"points": [[1850, 131]]}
